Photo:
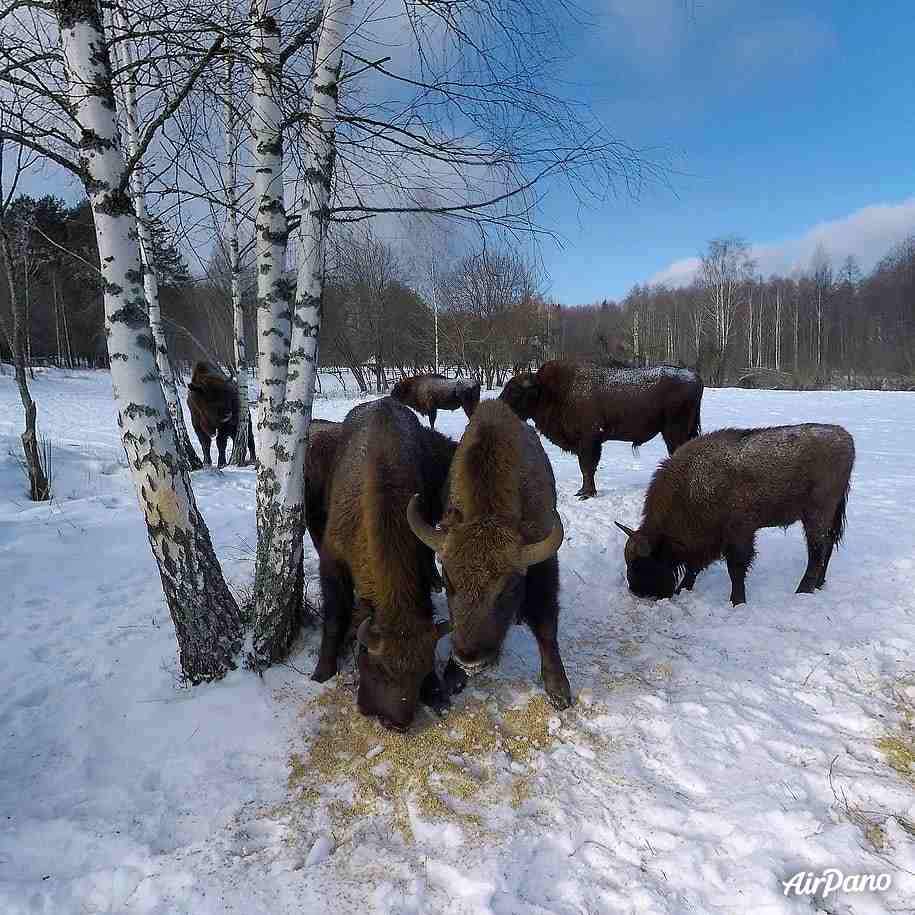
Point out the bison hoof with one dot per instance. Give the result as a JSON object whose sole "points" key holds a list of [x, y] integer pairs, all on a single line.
{"points": [[455, 678], [324, 671], [736, 600], [560, 699], [585, 494]]}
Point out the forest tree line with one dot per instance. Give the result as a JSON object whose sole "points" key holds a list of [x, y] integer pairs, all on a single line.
{"points": [[827, 325]]}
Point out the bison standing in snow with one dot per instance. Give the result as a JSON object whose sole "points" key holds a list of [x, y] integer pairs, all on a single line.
{"points": [[213, 402], [498, 543], [427, 394], [579, 406], [708, 500], [369, 558], [320, 454]]}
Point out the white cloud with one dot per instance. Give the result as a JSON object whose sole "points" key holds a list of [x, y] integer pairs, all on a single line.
{"points": [[868, 234]]}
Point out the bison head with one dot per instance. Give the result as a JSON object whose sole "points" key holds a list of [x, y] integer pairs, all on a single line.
{"points": [[522, 393], [392, 668], [401, 389], [484, 564], [650, 570]]}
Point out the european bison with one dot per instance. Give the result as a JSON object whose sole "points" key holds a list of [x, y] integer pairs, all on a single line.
{"points": [[428, 394], [498, 543], [579, 406], [324, 437], [709, 499], [370, 559], [213, 402]]}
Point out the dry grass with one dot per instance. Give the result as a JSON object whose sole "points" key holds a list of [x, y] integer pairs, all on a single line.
{"points": [[453, 769]]}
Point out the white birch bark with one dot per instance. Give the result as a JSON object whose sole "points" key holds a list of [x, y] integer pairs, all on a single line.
{"points": [[240, 445], [147, 254], [279, 557], [206, 617]]}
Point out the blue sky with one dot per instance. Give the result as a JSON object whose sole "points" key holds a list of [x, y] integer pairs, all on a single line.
{"points": [[785, 122]]}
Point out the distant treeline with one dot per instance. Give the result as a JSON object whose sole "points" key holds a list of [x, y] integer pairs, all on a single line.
{"points": [[826, 327]]}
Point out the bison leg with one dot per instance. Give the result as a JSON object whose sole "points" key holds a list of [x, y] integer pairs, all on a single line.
{"points": [[819, 550], [689, 579], [739, 557], [588, 459], [222, 439], [251, 438], [455, 678], [433, 412], [541, 613], [337, 594], [432, 694], [204, 437]]}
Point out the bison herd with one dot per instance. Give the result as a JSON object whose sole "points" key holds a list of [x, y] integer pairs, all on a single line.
{"points": [[385, 495]]}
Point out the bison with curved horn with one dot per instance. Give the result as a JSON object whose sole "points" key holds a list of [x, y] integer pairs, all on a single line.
{"points": [[498, 543], [370, 559], [427, 394], [709, 500], [213, 402], [579, 406]]}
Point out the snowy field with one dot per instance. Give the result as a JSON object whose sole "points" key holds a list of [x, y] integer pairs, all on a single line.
{"points": [[711, 754]]}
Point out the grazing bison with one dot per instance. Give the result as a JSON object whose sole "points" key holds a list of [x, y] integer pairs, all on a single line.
{"points": [[498, 543], [369, 558], [324, 437], [428, 394], [709, 499], [579, 406], [213, 402]]}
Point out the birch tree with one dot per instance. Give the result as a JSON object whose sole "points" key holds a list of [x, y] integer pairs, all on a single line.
{"points": [[124, 54], [62, 64]]}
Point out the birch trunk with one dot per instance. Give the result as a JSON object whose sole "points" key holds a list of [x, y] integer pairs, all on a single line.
{"points": [[147, 253], [206, 617], [240, 445], [278, 586], [39, 485]]}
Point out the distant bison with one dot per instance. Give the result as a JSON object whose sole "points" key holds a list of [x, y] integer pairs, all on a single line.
{"points": [[428, 394], [370, 559], [498, 543], [709, 499], [213, 402], [579, 406], [324, 437]]}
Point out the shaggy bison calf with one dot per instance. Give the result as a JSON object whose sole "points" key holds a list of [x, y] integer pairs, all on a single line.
{"points": [[371, 563], [709, 499], [213, 402], [579, 406], [427, 394], [498, 543]]}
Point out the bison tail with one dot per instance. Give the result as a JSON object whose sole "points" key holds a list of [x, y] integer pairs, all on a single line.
{"points": [[838, 521]]}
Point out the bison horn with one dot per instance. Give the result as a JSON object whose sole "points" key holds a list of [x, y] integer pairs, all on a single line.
{"points": [[539, 552], [628, 531], [433, 539], [364, 636]]}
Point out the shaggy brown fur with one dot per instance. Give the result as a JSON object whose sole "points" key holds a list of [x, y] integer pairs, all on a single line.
{"points": [[579, 406], [709, 499], [427, 394], [501, 496], [213, 402], [320, 452], [368, 553]]}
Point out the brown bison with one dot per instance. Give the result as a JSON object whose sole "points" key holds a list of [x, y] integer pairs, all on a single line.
{"points": [[369, 558], [213, 402], [498, 543], [428, 394], [579, 406], [709, 499], [324, 438]]}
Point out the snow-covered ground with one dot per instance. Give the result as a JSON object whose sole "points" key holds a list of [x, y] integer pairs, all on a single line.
{"points": [[711, 754]]}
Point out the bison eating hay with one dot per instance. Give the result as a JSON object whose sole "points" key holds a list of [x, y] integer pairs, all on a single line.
{"points": [[498, 544], [709, 499], [213, 402], [579, 406], [369, 556], [427, 394]]}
